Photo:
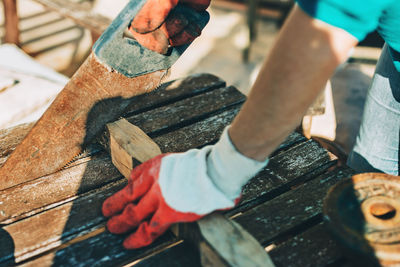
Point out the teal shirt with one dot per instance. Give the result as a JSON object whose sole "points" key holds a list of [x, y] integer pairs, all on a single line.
{"points": [[360, 17]]}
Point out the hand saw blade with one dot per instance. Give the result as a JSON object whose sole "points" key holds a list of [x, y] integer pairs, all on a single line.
{"points": [[118, 68], [94, 96]]}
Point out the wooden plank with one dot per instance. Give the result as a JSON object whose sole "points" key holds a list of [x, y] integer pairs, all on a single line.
{"points": [[314, 247], [286, 169], [11, 137], [282, 214], [18, 202], [129, 144], [174, 91], [102, 172], [187, 110], [168, 93], [11, 22], [91, 172], [79, 12], [212, 130]]}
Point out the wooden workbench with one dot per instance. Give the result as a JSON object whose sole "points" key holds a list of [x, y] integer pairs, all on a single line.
{"points": [[56, 220]]}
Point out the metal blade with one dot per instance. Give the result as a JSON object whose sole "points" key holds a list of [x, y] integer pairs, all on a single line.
{"points": [[94, 96]]}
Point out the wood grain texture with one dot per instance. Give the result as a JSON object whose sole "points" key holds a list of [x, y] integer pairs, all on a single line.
{"points": [[91, 172], [174, 91], [314, 247], [287, 211], [70, 226], [93, 97], [11, 137], [93, 200], [286, 169], [230, 242], [129, 144], [65, 228]]}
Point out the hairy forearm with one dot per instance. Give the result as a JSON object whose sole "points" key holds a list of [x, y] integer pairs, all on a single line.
{"points": [[303, 58]]}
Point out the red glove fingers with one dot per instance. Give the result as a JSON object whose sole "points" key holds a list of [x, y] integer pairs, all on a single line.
{"points": [[137, 186], [160, 39], [162, 219], [159, 25], [155, 12], [152, 15], [133, 215]]}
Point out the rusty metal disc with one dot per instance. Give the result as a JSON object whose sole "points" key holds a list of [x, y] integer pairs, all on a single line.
{"points": [[363, 213]]}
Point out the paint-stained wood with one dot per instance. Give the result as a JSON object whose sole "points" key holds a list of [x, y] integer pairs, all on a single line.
{"points": [[278, 216]]}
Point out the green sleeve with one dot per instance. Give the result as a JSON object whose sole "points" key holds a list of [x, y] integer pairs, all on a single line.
{"points": [[357, 17]]}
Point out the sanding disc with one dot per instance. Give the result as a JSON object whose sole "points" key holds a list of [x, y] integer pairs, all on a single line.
{"points": [[363, 213]]}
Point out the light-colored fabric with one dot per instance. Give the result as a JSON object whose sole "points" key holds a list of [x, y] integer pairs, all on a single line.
{"points": [[377, 144], [27, 88], [203, 180]]}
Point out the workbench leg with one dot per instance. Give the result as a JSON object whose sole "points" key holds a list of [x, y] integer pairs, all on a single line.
{"points": [[251, 23], [11, 22]]}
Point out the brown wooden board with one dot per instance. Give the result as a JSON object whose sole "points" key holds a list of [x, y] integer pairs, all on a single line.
{"points": [[277, 217], [105, 173], [286, 169], [314, 247], [168, 93], [10, 138], [76, 226], [76, 212], [187, 110], [91, 172], [84, 175], [174, 91], [11, 22]]}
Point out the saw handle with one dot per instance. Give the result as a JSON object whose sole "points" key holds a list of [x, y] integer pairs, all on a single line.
{"points": [[126, 55]]}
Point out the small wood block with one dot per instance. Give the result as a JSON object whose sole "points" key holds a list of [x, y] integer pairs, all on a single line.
{"points": [[129, 144]]}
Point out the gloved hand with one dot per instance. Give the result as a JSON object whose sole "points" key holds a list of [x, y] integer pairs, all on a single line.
{"points": [[159, 25], [180, 187]]}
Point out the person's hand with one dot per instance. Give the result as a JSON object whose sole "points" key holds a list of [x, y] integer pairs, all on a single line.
{"points": [[159, 25], [181, 187]]}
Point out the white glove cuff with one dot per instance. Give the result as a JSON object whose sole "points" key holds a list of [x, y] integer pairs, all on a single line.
{"points": [[229, 169]]}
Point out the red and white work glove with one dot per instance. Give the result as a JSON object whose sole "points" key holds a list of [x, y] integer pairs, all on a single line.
{"points": [[180, 187], [158, 25]]}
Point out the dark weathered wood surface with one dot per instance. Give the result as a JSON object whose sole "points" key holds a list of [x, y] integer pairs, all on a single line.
{"points": [[56, 220]]}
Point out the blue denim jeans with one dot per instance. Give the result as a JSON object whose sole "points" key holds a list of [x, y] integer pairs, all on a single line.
{"points": [[377, 143]]}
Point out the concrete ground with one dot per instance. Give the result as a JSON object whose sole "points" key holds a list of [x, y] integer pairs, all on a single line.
{"points": [[61, 45]]}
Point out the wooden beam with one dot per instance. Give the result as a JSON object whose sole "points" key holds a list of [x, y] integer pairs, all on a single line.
{"points": [[221, 242], [11, 22]]}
